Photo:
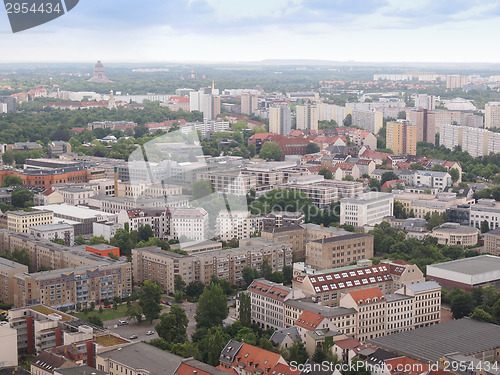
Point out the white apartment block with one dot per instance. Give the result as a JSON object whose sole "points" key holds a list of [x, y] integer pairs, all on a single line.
{"points": [[280, 119], [433, 179], [427, 305], [267, 302], [230, 181], [492, 115], [307, 117], [485, 209], [367, 209], [368, 120], [236, 224], [425, 101], [476, 141], [63, 231], [399, 313], [191, 223]]}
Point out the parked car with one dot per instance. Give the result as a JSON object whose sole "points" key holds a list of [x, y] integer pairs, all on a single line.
{"points": [[122, 322], [163, 301], [133, 337], [108, 306], [149, 333], [169, 303]]}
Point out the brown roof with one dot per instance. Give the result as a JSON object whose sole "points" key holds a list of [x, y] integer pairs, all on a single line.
{"points": [[309, 320], [365, 296]]}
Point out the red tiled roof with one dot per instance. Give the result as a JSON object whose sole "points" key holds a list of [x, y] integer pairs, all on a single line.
{"points": [[405, 365], [388, 184], [230, 370], [261, 136], [260, 359], [48, 192], [349, 343], [282, 369], [274, 292], [309, 320], [364, 296], [152, 125], [349, 278], [345, 166], [78, 130], [375, 154], [181, 99], [185, 369]]}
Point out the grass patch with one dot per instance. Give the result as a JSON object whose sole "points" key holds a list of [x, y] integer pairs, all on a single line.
{"points": [[26, 362], [107, 314], [109, 340]]}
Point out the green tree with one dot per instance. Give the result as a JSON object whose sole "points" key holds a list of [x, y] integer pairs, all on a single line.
{"points": [[326, 173], [96, 240], [271, 151], [288, 274], [8, 158], [485, 226], [266, 269], [123, 240], [179, 284], [297, 352], [216, 343], [149, 300], [245, 309], [455, 175], [388, 176], [11, 180], [58, 241], [399, 211], [178, 296], [435, 220], [462, 305], [312, 148], [145, 232], [212, 308], [134, 311], [348, 120], [20, 198], [249, 275], [80, 240], [96, 320], [173, 325], [194, 288], [482, 315]]}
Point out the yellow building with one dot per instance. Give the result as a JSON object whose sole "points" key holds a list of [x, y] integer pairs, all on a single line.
{"points": [[21, 221], [402, 137]]}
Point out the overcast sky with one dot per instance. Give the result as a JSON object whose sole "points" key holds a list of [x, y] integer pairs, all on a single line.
{"points": [[253, 30]]}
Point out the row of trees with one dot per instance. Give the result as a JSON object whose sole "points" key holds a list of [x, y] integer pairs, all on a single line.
{"points": [[480, 304]]}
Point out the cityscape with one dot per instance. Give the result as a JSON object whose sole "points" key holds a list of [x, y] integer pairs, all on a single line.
{"points": [[293, 212]]}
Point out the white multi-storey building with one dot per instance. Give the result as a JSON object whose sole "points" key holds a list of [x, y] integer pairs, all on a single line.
{"points": [[476, 141], [63, 231], [307, 117], [367, 209], [485, 210], [492, 115], [191, 223], [236, 224]]}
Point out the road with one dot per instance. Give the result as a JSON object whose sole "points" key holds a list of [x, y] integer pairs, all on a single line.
{"points": [[140, 329]]}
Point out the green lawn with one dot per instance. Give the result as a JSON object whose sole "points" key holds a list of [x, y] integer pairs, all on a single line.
{"points": [[107, 314]]}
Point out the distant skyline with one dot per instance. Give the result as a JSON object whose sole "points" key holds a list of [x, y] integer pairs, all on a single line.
{"points": [[201, 31]]}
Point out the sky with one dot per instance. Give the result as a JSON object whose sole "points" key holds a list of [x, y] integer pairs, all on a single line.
{"points": [[244, 31]]}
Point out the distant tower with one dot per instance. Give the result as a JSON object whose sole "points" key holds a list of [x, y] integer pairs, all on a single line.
{"points": [[99, 75], [111, 101]]}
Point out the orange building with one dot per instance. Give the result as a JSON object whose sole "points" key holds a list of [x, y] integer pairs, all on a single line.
{"points": [[46, 178], [103, 250]]}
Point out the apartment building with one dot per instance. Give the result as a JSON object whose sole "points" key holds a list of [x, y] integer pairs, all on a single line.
{"points": [[422, 204], [190, 223], [370, 305], [8, 269], [161, 266], [476, 141], [485, 210], [155, 264], [8, 347], [368, 120], [63, 231], [339, 251], [230, 181], [267, 302], [492, 242], [425, 129], [399, 311], [280, 119], [327, 286], [249, 103], [433, 179], [21, 221], [68, 286], [366, 209], [492, 115], [402, 137], [236, 224], [427, 304], [307, 117], [138, 189]]}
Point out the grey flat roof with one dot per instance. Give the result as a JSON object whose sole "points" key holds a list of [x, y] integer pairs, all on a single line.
{"points": [[420, 287], [471, 266], [6, 263], [465, 336], [392, 297], [345, 237], [80, 370], [144, 356]]}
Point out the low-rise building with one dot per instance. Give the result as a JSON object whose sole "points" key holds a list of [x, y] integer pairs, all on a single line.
{"points": [[22, 221], [455, 234], [492, 242], [230, 181], [63, 231], [427, 304], [267, 302], [467, 273], [236, 224], [339, 251], [367, 209]]}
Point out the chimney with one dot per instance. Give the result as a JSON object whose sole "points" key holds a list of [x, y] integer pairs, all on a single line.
{"points": [[404, 288]]}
